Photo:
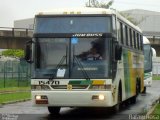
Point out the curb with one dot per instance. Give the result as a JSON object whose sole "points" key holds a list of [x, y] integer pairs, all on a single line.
{"points": [[154, 104]]}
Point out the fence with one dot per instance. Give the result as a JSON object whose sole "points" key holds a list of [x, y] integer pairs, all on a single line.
{"points": [[156, 66], [14, 74]]}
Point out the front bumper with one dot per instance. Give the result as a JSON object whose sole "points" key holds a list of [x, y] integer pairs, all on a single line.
{"points": [[75, 98], [148, 82]]}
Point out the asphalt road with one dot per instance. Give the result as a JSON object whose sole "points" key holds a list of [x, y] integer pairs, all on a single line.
{"points": [[25, 111]]}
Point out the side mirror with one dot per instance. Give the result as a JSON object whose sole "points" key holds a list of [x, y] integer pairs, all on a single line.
{"points": [[118, 52], [28, 52]]}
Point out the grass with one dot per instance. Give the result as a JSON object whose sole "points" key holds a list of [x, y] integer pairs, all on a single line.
{"points": [[15, 89], [14, 97], [13, 83], [156, 77], [157, 110], [155, 115]]}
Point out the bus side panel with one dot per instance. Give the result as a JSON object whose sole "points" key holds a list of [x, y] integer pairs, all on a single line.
{"points": [[133, 70], [129, 73]]}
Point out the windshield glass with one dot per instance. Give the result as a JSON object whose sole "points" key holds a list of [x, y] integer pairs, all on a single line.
{"points": [[71, 58], [147, 57], [91, 56], [72, 24], [49, 52]]}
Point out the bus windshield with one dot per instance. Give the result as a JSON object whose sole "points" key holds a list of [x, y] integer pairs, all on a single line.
{"points": [[72, 57], [73, 24], [147, 57]]}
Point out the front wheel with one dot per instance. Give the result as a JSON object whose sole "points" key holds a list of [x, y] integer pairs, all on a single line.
{"points": [[117, 107], [54, 110]]}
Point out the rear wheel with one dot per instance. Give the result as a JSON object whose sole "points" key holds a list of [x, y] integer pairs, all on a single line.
{"points": [[144, 91], [54, 110], [134, 98]]}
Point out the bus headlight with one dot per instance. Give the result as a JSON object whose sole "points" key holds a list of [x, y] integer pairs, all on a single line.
{"points": [[38, 97], [101, 97]]}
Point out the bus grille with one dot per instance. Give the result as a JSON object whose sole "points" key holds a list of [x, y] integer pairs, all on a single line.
{"points": [[73, 86]]}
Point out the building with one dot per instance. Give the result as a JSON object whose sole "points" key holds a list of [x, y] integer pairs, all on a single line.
{"points": [[24, 23], [148, 21]]}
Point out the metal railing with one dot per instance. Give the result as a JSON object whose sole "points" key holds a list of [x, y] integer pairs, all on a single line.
{"points": [[14, 73], [15, 32]]}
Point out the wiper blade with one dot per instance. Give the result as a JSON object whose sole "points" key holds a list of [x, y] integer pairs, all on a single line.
{"points": [[82, 68], [59, 66]]}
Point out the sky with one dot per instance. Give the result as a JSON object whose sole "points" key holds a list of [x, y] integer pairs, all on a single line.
{"points": [[11, 10]]}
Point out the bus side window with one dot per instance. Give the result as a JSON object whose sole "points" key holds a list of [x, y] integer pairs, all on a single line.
{"points": [[130, 36], [138, 42], [134, 39], [126, 35], [141, 42], [121, 32]]}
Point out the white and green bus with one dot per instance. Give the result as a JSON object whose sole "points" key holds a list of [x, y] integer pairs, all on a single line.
{"points": [[149, 53], [64, 74]]}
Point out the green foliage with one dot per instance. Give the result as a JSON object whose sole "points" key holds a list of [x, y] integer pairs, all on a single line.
{"points": [[13, 53], [156, 77], [156, 110], [97, 4]]}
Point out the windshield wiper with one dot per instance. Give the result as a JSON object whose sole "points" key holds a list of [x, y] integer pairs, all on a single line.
{"points": [[59, 66], [82, 68]]}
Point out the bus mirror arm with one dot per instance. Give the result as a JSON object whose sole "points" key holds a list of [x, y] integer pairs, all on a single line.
{"points": [[118, 52], [28, 52]]}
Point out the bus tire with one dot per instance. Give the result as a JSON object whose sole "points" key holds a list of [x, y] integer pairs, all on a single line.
{"points": [[144, 90], [54, 110], [134, 98], [138, 89], [117, 107]]}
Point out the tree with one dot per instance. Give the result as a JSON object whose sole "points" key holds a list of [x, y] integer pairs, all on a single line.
{"points": [[13, 53], [97, 4]]}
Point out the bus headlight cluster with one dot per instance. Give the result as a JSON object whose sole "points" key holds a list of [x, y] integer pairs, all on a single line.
{"points": [[41, 99], [98, 97]]}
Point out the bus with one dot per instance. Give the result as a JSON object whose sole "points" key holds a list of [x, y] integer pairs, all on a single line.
{"points": [[65, 74], [149, 53]]}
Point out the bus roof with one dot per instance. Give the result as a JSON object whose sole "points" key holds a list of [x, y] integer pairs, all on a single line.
{"points": [[87, 10], [82, 10], [145, 40]]}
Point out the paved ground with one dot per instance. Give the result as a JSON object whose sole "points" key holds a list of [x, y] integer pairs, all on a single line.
{"points": [[25, 110]]}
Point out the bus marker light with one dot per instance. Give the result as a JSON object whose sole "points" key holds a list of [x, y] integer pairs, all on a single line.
{"points": [[98, 82]]}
